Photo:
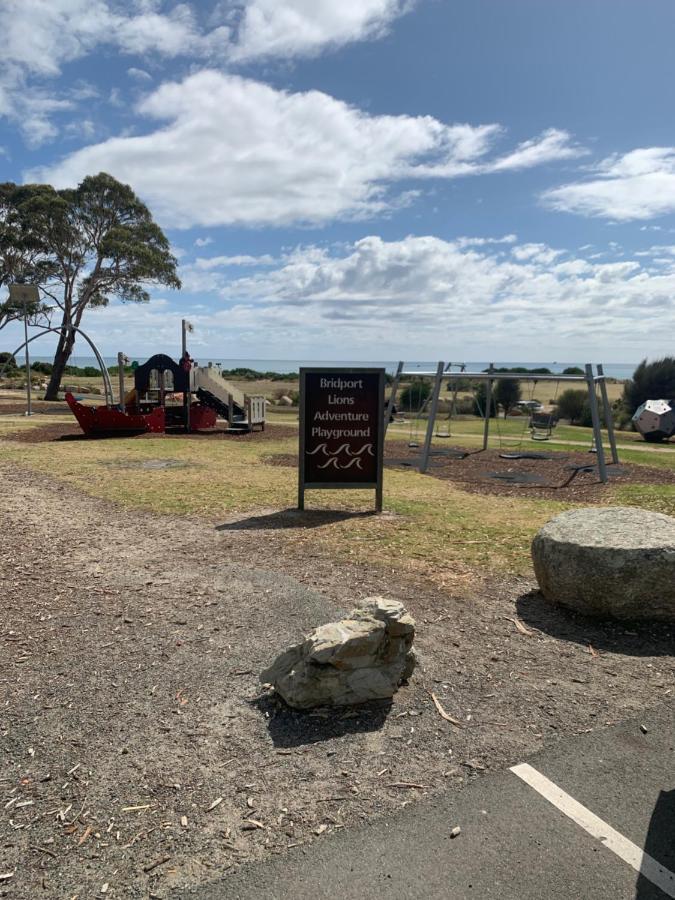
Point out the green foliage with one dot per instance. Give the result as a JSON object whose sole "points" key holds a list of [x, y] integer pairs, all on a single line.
{"points": [[9, 363], [573, 370], [83, 246], [571, 405], [459, 384], [414, 395], [244, 374], [651, 381], [521, 370], [480, 401], [465, 407], [23, 250], [507, 393]]}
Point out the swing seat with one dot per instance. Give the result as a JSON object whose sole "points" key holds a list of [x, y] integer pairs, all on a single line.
{"points": [[541, 427], [443, 434]]}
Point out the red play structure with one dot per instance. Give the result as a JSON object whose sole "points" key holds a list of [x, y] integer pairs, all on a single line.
{"points": [[162, 400]]}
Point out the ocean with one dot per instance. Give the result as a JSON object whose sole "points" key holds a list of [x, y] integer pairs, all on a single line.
{"points": [[291, 366]]}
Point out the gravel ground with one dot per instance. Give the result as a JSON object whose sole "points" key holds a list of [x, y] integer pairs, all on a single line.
{"points": [[137, 748]]}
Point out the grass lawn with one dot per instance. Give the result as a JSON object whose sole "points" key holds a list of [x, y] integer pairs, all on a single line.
{"points": [[432, 526]]}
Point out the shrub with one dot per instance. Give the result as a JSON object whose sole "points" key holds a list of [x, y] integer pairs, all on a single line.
{"points": [[573, 370], [414, 395], [8, 360], [480, 401], [459, 385], [651, 381], [44, 368], [571, 405], [507, 394], [465, 406]]}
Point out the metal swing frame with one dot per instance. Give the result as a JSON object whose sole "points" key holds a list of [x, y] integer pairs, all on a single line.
{"points": [[590, 378]]}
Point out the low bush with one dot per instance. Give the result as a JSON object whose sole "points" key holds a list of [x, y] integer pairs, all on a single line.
{"points": [[7, 360], [414, 395]]}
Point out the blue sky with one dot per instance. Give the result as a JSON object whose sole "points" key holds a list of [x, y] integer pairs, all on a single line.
{"points": [[369, 179]]}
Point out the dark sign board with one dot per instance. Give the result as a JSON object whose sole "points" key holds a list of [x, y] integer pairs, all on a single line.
{"points": [[341, 430]]}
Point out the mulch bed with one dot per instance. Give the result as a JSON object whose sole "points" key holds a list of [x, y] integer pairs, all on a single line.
{"points": [[72, 432], [486, 472]]}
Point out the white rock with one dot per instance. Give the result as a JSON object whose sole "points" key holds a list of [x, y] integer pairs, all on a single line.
{"points": [[363, 657]]}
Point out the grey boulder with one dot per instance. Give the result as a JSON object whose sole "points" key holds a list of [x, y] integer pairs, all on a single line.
{"points": [[609, 561], [363, 657]]}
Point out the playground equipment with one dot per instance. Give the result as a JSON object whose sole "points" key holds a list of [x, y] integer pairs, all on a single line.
{"points": [[655, 420], [590, 378], [162, 395], [161, 400]]}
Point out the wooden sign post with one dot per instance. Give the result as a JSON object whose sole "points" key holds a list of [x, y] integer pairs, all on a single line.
{"points": [[341, 430]]}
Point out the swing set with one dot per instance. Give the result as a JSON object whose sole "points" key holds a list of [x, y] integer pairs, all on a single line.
{"points": [[540, 425]]}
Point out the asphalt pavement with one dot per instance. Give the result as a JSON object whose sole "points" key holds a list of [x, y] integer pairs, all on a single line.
{"points": [[599, 808]]}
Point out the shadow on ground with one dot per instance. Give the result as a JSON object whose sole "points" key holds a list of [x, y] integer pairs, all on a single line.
{"points": [[293, 518], [629, 638], [659, 844], [294, 728]]}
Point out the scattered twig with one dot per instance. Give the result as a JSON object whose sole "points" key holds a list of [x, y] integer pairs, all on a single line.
{"points": [[85, 834], [45, 850], [157, 862], [215, 803], [519, 625], [407, 784], [442, 713], [136, 808], [593, 651]]}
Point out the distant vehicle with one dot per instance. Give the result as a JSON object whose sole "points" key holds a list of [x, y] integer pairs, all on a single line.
{"points": [[529, 406]]}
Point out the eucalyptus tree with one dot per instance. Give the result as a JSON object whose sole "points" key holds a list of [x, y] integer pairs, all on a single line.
{"points": [[93, 243]]}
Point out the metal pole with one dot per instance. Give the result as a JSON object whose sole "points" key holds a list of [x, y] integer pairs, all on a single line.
{"points": [[29, 399], [609, 420], [431, 423], [301, 442], [120, 373], [595, 415], [379, 487], [186, 396], [392, 396], [488, 407]]}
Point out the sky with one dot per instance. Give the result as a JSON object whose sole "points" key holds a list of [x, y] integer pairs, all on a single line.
{"points": [[367, 179]]}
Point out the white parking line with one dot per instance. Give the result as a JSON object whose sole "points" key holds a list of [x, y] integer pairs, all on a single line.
{"points": [[612, 839]]}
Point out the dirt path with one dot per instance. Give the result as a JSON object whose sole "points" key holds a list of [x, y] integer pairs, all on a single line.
{"points": [[137, 748]]}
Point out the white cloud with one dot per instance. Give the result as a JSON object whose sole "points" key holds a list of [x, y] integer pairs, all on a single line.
{"points": [[638, 185], [552, 145], [223, 262], [203, 242], [235, 151], [422, 291], [417, 298], [305, 27], [139, 74], [39, 37]]}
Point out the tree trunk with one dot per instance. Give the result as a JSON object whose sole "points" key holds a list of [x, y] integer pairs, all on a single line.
{"points": [[63, 350]]}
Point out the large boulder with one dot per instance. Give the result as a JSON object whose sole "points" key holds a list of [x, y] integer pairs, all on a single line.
{"points": [[609, 561], [363, 657]]}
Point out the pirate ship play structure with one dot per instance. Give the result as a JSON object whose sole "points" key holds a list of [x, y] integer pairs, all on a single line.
{"points": [[171, 396]]}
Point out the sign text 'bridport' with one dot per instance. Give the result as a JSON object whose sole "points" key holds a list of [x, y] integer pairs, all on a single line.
{"points": [[341, 429]]}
